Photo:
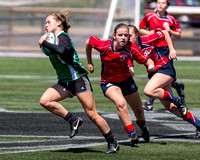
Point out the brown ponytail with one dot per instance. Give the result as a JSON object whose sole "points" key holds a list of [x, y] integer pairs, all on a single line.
{"points": [[63, 17], [135, 30]]}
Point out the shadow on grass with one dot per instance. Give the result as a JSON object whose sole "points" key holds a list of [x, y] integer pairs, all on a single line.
{"points": [[142, 142], [127, 144], [187, 137], [79, 150]]}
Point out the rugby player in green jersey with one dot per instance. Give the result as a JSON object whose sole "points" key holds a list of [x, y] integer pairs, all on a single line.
{"points": [[72, 80]]}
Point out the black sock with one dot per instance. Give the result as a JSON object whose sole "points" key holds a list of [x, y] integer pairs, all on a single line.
{"points": [[109, 137], [142, 125], [70, 117]]}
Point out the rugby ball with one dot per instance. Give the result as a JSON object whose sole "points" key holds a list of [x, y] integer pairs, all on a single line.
{"points": [[51, 39]]}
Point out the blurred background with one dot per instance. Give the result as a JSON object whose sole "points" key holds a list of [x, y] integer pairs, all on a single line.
{"points": [[22, 22]]}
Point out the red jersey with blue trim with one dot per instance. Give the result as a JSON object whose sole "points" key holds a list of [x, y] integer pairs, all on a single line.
{"points": [[114, 62], [154, 22], [148, 44]]}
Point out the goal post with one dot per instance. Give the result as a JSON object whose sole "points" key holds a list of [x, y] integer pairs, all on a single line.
{"points": [[137, 13], [121, 11], [109, 20]]}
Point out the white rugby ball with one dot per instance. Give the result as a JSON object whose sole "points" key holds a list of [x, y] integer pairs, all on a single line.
{"points": [[51, 39]]}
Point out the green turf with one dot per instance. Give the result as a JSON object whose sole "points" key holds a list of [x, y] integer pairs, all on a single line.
{"points": [[23, 80], [23, 93], [155, 150]]}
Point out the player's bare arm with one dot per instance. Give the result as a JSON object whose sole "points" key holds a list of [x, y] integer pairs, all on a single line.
{"points": [[175, 34], [42, 38], [150, 65], [146, 32], [88, 49], [172, 51]]}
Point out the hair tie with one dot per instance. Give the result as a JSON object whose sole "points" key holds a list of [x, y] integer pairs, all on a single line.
{"points": [[59, 18]]}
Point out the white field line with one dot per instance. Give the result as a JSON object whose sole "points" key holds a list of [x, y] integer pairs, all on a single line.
{"points": [[27, 77], [80, 55], [34, 136], [136, 77], [30, 141], [187, 67], [56, 138], [26, 149], [48, 148], [34, 148], [190, 58]]}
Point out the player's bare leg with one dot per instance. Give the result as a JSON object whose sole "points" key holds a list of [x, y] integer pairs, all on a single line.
{"points": [[49, 101], [90, 109], [135, 103], [114, 94]]}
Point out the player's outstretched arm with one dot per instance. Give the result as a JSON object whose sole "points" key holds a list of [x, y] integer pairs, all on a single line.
{"points": [[88, 49]]}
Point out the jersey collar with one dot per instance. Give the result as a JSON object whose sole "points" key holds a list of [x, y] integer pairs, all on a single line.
{"points": [[124, 49], [60, 32], [166, 13]]}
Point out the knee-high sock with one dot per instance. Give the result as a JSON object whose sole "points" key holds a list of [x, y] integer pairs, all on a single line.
{"points": [[129, 129], [169, 97], [192, 119]]}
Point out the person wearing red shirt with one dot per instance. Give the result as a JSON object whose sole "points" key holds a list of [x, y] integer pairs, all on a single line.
{"points": [[161, 20], [159, 84], [116, 81]]}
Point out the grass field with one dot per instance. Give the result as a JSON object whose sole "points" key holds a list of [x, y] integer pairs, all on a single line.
{"points": [[23, 80], [161, 150]]}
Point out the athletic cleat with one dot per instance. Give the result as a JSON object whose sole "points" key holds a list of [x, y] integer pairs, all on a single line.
{"points": [[145, 134], [74, 127], [197, 132], [181, 106], [148, 106], [180, 91], [112, 148], [133, 139]]}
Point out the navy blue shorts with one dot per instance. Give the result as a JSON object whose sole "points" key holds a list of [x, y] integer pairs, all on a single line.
{"points": [[168, 68], [127, 86]]}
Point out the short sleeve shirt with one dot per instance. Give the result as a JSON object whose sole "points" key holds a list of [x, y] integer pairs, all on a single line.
{"points": [[114, 62], [154, 22]]}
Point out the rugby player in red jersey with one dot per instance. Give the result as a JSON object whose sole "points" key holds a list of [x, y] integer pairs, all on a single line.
{"points": [[161, 20], [159, 85], [116, 81]]}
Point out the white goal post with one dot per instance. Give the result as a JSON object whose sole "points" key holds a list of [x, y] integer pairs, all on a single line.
{"points": [[109, 19], [135, 14]]}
